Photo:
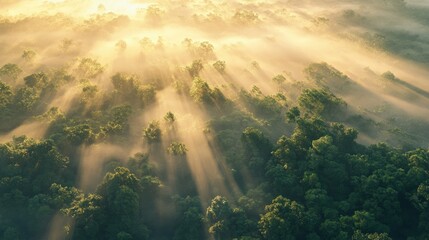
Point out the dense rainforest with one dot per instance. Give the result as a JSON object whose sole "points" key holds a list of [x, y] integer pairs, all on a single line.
{"points": [[214, 120]]}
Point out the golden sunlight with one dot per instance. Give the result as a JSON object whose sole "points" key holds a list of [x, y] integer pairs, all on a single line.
{"points": [[214, 119]]}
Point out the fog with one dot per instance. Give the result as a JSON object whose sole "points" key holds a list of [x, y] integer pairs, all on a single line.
{"points": [[157, 40]]}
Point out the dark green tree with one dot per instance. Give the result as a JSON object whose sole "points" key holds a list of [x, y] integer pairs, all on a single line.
{"points": [[283, 219], [152, 133], [190, 222]]}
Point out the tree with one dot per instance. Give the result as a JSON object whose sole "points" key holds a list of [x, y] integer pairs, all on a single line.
{"points": [[129, 89], [257, 149], [177, 149], [25, 100], [195, 68], [190, 219], [152, 133], [421, 200], [139, 164], [88, 92], [200, 91], [283, 219], [220, 66], [265, 106], [358, 235], [327, 77], [5, 95], [205, 50], [28, 55], [307, 130], [283, 171], [36, 80], [323, 160], [201, 50], [246, 17], [120, 192], [117, 121], [10, 72], [320, 102], [89, 68], [79, 133], [11, 234], [169, 117], [293, 114], [227, 222], [30, 175], [154, 14], [279, 79], [89, 217], [45, 165]]}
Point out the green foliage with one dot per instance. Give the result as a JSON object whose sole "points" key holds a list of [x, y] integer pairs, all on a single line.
{"points": [[30, 176], [36, 80], [202, 50], [10, 72], [169, 117], [53, 114], [370, 236], [338, 176], [89, 217], [128, 89], [5, 95], [220, 66], [293, 114], [320, 102], [227, 222], [177, 149], [79, 134], [190, 220], [180, 86], [89, 68], [26, 99], [114, 212], [395, 86], [118, 121], [332, 187], [257, 148], [302, 176], [89, 92], [120, 194], [279, 79], [253, 202], [202, 93], [195, 68], [283, 219], [152, 133], [140, 166], [326, 76], [11, 234], [388, 75], [268, 107]]}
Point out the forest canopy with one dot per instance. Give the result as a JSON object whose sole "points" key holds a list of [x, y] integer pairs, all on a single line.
{"points": [[214, 120]]}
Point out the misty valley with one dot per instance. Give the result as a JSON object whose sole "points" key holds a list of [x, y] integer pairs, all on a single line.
{"points": [[214, 119]]}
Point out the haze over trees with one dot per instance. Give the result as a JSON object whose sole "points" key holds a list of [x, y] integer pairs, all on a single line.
{"points": [[214, 120]]}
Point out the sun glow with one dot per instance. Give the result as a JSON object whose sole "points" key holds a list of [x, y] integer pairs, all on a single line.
{"points": [[211, 63], [76, 8], [122, 7]]}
